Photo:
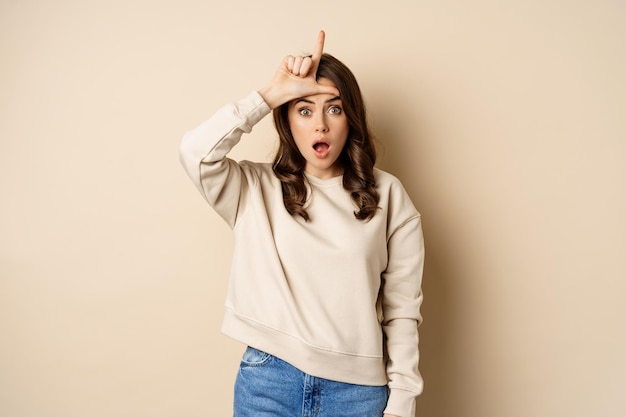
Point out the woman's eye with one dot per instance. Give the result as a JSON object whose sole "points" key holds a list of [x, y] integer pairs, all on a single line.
{"points": [[305, 112], [334, 110]]}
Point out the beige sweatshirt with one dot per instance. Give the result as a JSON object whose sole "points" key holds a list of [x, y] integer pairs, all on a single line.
{"points": [[317, 294]]}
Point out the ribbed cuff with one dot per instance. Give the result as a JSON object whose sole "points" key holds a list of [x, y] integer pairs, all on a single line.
{"points": [[401, 403]]}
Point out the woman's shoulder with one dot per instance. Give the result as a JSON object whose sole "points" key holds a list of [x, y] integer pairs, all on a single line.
{"points": [[386, 179], [393, 194]]}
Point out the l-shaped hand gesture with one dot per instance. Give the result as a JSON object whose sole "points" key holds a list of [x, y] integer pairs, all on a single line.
{"points": [[296, 77]]}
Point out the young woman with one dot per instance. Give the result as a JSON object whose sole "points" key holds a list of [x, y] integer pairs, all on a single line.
{"points": [[325, 288]]}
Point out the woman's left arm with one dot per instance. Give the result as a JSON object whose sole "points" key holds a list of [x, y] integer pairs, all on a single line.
{"points": [[402, 299]]}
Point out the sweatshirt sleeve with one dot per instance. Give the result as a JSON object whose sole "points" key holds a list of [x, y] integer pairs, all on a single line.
{"points": [[402, 299], [203, 152]]}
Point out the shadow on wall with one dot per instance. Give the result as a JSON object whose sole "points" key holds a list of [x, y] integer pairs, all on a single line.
{"points": [[398, 139]]}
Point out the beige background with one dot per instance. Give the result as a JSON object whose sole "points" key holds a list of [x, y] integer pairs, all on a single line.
{"points": [[504, 119]]}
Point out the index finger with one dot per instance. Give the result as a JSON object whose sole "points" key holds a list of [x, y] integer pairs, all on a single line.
{"points": [[319, 49]]}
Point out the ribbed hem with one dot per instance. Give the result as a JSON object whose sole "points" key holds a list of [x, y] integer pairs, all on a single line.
{"points": [[322, 363]]}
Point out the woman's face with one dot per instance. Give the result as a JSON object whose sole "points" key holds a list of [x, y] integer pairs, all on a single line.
{"points": [[320, 129]]}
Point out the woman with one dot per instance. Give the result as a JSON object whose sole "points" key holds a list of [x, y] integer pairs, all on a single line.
{"points": [[325, 288]]}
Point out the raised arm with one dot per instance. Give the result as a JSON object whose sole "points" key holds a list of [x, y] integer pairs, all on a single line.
{"points": [[204, 150]]}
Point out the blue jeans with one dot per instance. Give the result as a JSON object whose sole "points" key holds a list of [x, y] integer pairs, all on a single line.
{"points": [[267, 386]]}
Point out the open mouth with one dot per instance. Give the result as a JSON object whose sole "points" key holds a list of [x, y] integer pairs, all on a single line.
{"points": [[321, 146]]}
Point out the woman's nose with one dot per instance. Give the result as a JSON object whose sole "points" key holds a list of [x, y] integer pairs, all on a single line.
{"points": [[321, 125]]}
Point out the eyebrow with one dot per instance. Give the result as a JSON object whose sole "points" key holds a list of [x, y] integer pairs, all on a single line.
{"points": [[306, 100]]}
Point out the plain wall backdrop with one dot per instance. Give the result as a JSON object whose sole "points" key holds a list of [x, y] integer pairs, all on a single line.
{"points": [[505, 120]]}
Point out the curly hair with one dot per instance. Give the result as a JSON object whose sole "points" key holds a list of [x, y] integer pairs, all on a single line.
{"points": [[357, 157]]}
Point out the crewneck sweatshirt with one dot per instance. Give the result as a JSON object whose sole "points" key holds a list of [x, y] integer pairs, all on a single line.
{"points": [[336, 297]]}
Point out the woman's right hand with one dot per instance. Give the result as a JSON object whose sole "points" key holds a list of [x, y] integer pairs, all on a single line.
{"points": [[295, 78]]}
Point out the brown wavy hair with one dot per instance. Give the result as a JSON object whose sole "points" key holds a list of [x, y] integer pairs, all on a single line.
{"points": [[357, 157]]}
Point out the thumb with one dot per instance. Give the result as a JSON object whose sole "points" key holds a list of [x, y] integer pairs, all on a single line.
{"points": [[327, 89]]}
